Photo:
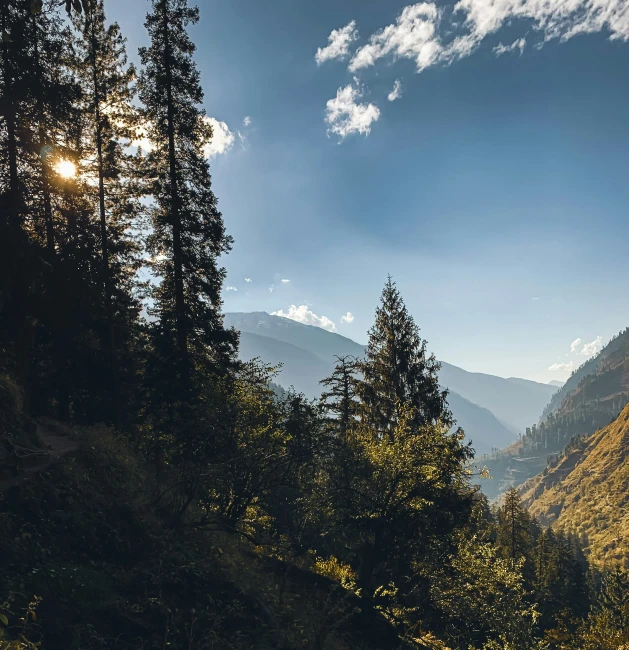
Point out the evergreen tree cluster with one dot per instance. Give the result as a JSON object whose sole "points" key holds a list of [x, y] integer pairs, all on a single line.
{"points": [[111, 321]]}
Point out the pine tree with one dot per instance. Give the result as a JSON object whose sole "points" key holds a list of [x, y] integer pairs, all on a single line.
{"points": [[106, 80], [398, 483], [39, 96], [188, 233], [339, 398], [514, 527], [397, 370]]}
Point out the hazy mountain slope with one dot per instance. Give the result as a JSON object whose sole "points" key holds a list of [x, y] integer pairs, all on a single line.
{"points": [[587, 492], [513, 401], [300, 369], [480, 424], [557, 383], [315, 340]]}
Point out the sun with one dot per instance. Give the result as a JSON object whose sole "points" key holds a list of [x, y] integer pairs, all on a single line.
{"points": [[66, 169]]}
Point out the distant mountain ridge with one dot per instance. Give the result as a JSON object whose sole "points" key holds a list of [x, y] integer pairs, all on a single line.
{"points": [[307, 354]]}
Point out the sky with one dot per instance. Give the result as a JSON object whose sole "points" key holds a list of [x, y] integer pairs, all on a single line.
{"points": [[477, 152]]}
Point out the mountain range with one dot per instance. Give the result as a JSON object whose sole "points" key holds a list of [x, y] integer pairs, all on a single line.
{"points": [[492, 410]]}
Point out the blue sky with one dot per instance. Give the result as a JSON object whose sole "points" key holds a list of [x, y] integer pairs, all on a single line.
{"points": [[494, 188]]}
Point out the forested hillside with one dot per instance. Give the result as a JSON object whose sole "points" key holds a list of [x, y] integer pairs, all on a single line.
{"points": [[156, 492], [592, 398], [585, 492]]}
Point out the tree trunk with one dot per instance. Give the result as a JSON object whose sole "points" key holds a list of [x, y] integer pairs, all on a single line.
{"points": [[180, 316], [107, 289]]}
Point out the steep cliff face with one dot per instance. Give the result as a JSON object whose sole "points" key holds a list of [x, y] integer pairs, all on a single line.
{"points": [[586, 492]]}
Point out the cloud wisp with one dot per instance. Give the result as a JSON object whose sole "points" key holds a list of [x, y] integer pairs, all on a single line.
{"points": [[348, 318], [396, 93], [520, 44], [302, 314], [565, 367], [574, 346], [339, 42]]}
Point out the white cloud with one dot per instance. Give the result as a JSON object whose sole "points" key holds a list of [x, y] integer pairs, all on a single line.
{"points": [[412, 36], [520, 44], [248, 280], [230, 288], [303, 315], [222, 139], [593, 347], [247, 121], [587, 349], [566, 367], [338, 43], [535, 298], [431, 35], [285, 281], [396, 93], [345, 116], [574, 346], [271, 288], [348, 318]]}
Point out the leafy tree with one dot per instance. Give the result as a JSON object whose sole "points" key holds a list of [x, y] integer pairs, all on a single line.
{"points": [[483, 599], [392, 497]]}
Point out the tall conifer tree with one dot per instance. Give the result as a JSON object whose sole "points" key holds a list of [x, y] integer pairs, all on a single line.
{"points": [[397, 370], [188, 232], [106, 80]]}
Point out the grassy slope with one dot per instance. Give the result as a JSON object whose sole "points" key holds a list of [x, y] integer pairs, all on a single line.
{"points": [[587, 493]]}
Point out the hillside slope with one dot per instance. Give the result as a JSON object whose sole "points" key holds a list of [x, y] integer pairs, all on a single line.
{"points": [[513, 401], [587, 492], [315, 340], [300, 368], [592, 403], [481, 426]]}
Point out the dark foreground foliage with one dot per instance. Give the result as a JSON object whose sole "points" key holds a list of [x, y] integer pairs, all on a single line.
{"points": [[155, 492]]}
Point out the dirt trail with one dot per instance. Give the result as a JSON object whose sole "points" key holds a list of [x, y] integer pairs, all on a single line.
{"points": [[55, 445]]}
